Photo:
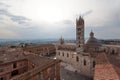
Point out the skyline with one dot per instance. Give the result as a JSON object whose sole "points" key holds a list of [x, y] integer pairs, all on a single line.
{"points": [[43, 19]]}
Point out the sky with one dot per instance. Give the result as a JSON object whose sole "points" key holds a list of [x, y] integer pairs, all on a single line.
{"points": [[51, 19]]}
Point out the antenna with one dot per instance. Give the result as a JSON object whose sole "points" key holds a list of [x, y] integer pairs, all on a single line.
{"points": [[85, 13]]}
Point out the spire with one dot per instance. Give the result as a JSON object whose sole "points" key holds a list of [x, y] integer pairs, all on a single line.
{"points": [[61, 40], [80, 18], [80, 21], [91, 34]]}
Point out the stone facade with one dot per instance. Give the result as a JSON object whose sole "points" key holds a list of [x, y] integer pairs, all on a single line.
{"points": [[82, 63], [75, 54], [111, 49], [83, 56]]}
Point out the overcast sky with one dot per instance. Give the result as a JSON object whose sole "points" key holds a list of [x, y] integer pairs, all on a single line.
{"points": [[43, 19]]}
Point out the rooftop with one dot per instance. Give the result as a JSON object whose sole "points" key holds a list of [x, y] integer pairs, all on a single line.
{"points": [[93, 41], [38, 60], [41, 45], [41, 62], [104, 69], [10, 56], [115, 46]]}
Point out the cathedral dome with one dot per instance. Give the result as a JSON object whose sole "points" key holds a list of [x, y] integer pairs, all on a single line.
{"points": [[92, 41]]}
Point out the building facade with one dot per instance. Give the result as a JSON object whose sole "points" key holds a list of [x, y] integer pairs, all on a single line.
{"points": [[42, 49], [77, 54], [12, 63], [15, 65]]}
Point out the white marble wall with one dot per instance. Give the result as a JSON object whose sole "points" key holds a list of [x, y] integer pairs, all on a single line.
{"points": [[79, 65]]}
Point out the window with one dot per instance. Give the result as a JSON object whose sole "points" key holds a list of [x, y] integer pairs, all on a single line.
{"points": [[67, 55], [14, 65], [63, 54], [93, 64], [104, 50], [25, 69], [113, 51], [84, 62], [13, 73], [1, 78], [77, 59]]}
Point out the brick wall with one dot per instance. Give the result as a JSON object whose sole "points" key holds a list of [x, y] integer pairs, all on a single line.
{"points": [[7, 68]]}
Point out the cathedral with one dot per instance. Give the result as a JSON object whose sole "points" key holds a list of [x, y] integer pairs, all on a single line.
{"points": [[80, 55]]}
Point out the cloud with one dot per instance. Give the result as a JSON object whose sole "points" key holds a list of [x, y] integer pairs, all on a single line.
{"points": [[104, 18], [4, 12], [10, 23], [14, 18], [67, 22], [19, 19], [1, 18], [4, 5]]}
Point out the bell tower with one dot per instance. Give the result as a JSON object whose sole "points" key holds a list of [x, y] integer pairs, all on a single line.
{"points": [[61, 41], [79, 34]]}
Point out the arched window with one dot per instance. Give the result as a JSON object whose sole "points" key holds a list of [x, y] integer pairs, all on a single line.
{"points": [[14, 65], [67, 55], [113, 51], [104, 50], [93, 64], [63, 53], [77, 58], [84, 62]]}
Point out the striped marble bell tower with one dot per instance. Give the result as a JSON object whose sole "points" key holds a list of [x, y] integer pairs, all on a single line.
{"points": [[80, 34]]}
